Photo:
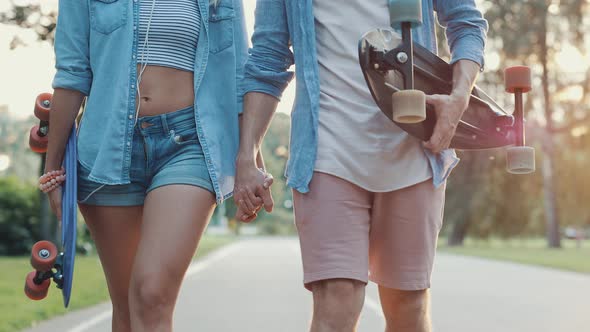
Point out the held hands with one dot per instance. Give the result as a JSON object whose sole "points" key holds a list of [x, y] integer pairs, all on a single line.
{"points": [[448, 109], [252, 192]]}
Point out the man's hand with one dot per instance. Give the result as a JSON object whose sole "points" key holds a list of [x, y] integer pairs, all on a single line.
{"points": [[448, 109]]}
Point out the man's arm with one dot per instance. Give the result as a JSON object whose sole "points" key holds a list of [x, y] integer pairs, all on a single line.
{"points": [[465, 28], [466, 31], [255, 120], [265, 79]]}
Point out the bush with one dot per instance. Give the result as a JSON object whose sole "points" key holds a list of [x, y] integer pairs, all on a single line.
{"points": [[19, 216]]}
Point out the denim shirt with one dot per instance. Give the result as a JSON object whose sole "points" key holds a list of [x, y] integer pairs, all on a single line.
{"points": [[96, 46], [282, 23]]}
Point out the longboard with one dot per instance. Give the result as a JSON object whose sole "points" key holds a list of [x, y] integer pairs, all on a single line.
{"points": [[49, 262], [484, 124]]}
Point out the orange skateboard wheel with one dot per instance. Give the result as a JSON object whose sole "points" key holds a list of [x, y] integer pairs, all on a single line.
{"points": [[43, 255], [517, 78], [34, 291], [37, 143], [408, 106], [42, 106]]}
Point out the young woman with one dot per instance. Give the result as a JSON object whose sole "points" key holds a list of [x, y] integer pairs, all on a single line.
{"points": [[157, 140]]}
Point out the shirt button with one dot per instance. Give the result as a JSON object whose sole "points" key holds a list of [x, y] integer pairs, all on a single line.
{"points": [[131, 117], [134, 27], [128, 143], [133, 56], [132, 86]]}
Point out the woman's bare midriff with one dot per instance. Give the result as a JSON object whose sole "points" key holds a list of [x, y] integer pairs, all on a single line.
{"points": [[165, 90]]}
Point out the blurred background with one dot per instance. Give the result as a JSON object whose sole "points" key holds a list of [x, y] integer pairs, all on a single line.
{"points": [[539, 219]]}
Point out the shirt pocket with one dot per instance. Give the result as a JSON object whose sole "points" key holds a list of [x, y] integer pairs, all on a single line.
{"points": [[107, 16], [221, 26]]}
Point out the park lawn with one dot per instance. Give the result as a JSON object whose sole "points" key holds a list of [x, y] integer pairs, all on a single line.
{"points": [[527, 251], [18, 312]]}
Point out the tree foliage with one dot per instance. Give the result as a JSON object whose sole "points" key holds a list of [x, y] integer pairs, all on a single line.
{"points": [[482, 199], [19, 216]]}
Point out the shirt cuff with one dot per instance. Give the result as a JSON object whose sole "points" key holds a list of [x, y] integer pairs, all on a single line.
{"points": [[67, 80], [469, 47]]}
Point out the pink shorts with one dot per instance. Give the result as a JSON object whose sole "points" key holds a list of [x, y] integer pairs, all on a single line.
{"points": [[348, 232]]}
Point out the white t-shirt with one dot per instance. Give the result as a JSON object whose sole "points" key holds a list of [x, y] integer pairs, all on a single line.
{"points": [[357, 142]]}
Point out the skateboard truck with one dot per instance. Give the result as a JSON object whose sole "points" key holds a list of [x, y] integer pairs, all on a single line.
{"points": [[38, 134], [56, 274], [48, 263], [408, 105], [520, 159]]}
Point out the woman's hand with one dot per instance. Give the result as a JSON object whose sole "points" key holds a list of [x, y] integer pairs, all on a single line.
{"points": [[252, 191], [54, 197]]}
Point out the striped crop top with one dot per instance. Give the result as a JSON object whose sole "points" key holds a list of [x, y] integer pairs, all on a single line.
{"points": [[173, 33]]}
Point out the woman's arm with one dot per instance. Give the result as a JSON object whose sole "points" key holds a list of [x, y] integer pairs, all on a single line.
{"points": [[65, 106], [73, 78], [71, 83], [72, 52]]}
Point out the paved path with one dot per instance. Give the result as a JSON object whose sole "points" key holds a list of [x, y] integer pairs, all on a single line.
{"points": [[255, 286]]}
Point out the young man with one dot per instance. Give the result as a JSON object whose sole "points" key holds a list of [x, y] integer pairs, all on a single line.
{"points": [[368, 197]]}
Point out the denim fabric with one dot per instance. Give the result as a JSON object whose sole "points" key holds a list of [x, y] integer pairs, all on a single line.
{"points": [[284, 23], [96, 47], [167, 151]]}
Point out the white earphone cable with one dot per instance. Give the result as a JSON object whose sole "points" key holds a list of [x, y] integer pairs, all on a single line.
{"points": [[144, 60]]}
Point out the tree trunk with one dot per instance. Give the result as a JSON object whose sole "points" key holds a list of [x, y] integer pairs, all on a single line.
{"points": [[551, 213], [551, 217], [458, 233]]}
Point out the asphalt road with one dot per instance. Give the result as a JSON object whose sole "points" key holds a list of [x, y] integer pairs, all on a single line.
{"points": [[255, 286]]}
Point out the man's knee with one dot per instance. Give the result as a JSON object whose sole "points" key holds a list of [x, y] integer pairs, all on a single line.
{"points": [[338, 301], [338, 289], [408, 299], [405, 305]]}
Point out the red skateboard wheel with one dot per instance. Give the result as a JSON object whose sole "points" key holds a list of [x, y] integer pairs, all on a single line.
{"points": [[34, 291], [517, 78], [43, 255], [37, 143], [42, 106]]}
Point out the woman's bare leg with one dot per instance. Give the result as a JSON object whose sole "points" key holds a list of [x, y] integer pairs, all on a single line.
{"points": [[175, 217], [115, 231]]}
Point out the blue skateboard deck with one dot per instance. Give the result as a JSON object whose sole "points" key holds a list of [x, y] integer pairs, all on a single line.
{"points": [[69, 216]]}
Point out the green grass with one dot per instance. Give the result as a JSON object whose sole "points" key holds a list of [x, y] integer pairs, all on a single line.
{"points": [[527, 251], [18, 312]]}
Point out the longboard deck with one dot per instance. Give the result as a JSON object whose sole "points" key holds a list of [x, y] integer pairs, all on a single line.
{"points": [[484, 124], [69, 216]]}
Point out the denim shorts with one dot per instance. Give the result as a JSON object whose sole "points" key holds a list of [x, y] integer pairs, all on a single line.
{"points": [[166, 150]]}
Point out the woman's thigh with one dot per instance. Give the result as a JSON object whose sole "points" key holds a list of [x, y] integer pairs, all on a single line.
{"points": [[115, 231], [174, 219]]}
